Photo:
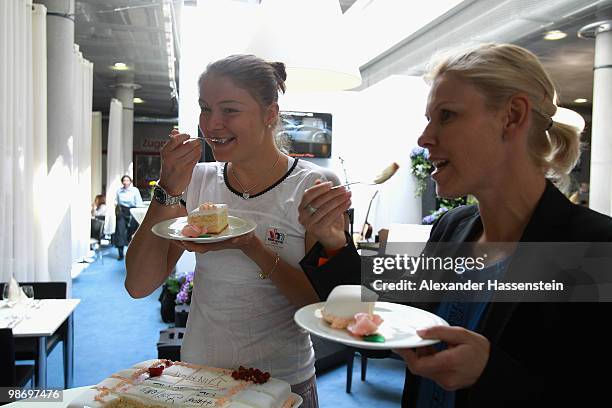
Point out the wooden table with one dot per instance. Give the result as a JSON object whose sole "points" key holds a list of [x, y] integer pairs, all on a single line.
{"points": [[42, 322]]}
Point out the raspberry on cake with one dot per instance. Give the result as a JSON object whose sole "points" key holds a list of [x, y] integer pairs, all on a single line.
{"points": [[212, 217]]}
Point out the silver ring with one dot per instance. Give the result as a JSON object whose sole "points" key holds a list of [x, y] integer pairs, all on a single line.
{"points": [[311, 209]]}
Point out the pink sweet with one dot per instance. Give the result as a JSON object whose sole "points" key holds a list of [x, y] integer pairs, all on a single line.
{"points": [[365, 324], [192, 231]]}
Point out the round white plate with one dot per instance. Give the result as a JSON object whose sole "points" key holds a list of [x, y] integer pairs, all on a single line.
{"points": [[171, 229], [399, 326]]}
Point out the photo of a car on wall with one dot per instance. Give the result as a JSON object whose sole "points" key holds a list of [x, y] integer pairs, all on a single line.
{"points": [[309, 134]]}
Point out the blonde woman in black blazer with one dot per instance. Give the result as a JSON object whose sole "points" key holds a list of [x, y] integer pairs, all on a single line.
{"points": [[491, 134]]}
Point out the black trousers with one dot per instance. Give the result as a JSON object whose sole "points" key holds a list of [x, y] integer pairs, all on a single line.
{"points": [[126, 226]]}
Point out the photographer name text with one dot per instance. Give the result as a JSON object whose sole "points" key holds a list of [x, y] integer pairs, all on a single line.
{"points": [[468, 285]]}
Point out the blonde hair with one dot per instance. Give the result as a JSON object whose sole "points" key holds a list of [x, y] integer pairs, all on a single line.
{"points": [[500, 71]]}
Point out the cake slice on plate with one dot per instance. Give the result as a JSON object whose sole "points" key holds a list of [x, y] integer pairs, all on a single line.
{"points": [[344, 309], [209, 217]]}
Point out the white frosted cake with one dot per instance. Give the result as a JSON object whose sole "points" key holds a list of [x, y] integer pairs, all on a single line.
{"points": [[212, 217], [343, 303], [163, 383]]}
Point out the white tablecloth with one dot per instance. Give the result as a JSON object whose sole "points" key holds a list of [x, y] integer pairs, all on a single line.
{"points": [[139, 213]]}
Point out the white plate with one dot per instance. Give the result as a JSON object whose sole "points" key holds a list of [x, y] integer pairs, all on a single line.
{"points": [[171, 229], [7, 303], [399, 326]]}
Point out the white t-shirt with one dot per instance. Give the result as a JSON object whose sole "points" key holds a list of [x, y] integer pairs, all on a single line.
{"points": [[236, 318]]}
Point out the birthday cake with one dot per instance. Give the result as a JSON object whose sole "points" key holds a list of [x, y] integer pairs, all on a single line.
{"points": [[209, 218], [163, 383], [344, 309]]}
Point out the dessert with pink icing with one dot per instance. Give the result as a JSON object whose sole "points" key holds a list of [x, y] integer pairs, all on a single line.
{"points": [[163, 383], [208, 216], [344, 309], [193, 231], [364, 324]]}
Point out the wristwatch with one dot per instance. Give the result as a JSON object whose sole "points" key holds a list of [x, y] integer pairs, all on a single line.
{"points": [[162, 196]]}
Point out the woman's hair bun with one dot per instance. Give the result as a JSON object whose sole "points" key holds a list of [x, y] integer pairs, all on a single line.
{"points": [[279, 67]]}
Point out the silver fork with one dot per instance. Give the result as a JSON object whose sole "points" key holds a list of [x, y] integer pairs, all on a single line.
{"points": [[365, 183], [385, 175]]}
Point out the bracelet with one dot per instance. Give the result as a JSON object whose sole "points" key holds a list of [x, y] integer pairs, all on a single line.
{"points": [[263, 275]]}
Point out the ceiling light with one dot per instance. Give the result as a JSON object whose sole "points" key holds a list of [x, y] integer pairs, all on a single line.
{"points": [[581, 100], [554, 35], [138, 100], [120, 66]]}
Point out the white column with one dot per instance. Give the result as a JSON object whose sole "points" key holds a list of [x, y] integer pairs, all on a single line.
{"points": [[41, 185], [60, 39], [97, 178], [124, 92], [600, 189]]}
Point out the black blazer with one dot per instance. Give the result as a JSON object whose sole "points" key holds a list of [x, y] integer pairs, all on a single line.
{"points": [[542, 354]]}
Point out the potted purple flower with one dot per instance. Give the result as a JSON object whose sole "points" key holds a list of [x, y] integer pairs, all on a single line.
{"points": [[431, 218], [186, 286], [183, 299]]}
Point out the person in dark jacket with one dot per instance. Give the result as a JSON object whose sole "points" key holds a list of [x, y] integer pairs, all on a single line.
{"points": [[491, 134], [128, 197]]}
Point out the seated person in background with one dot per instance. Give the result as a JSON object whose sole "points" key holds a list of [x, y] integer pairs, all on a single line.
{"points": [[98, 208], [490, 134]]}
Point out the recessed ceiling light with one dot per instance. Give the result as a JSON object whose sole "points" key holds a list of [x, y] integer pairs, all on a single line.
{"points": [[554, 35], [120, 66], [138, 100], [581, 100]]}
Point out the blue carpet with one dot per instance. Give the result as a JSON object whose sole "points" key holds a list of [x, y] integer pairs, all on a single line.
{"points": [[112, 331]]}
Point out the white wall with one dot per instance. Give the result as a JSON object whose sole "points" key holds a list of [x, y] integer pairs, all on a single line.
{"points": [[371, 129], [210, 31]]}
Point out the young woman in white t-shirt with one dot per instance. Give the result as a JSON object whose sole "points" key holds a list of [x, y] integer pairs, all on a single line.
{"points": [[236, 317]]}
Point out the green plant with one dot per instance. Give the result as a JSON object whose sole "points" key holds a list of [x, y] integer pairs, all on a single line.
{"points": [[421, 168], [173, 285], [447, 204]]}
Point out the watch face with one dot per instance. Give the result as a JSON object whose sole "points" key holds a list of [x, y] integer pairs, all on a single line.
{"points": [[160, 195]]}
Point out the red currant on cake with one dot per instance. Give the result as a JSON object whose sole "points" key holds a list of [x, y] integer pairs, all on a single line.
{"points": [[254, 375], [156, 371]]}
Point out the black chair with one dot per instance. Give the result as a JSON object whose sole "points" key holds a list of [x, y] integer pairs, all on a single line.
{"points": [[26, 348], [97, 238], [169, 344], [12, 375], [365, 354], [181, 313], [328, 354]]}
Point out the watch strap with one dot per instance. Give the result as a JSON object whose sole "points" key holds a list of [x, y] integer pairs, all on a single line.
{"points": [[162, 196]]}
